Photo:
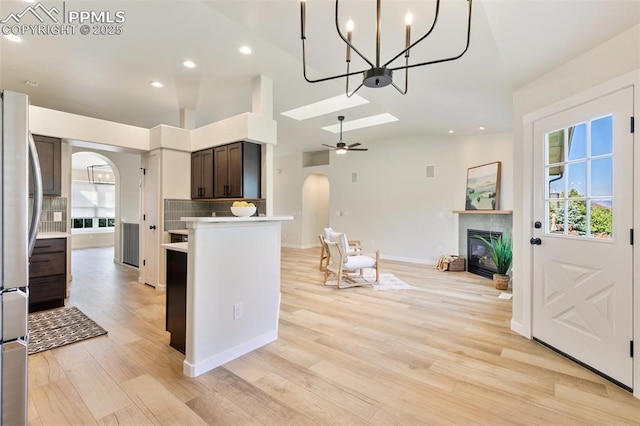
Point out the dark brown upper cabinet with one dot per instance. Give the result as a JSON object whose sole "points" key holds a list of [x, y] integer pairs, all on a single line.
{"points": [[237, 170], [50, 155], [202, 174]]}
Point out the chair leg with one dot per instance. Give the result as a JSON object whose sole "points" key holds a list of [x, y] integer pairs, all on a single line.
{"points": [[322, 256]]}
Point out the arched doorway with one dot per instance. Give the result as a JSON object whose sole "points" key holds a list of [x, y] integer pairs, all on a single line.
{"points": [[315, 208], [94, 207]]}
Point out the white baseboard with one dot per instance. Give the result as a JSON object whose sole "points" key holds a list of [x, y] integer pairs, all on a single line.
{"points": [[194, 370], [409, 260], [519, 328]]}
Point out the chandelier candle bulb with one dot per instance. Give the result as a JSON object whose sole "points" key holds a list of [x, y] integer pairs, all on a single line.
{"points": [[408, 20], [303, 17], [349, 34]]}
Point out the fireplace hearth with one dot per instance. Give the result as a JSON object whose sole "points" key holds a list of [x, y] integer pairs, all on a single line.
{"points": [[478, 255]]}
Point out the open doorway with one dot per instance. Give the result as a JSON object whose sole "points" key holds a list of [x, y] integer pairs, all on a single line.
{"points": [[315, 208], [93, 200], [104, 197]]}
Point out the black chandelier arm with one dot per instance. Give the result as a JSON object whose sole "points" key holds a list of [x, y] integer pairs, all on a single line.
{"points": [[347, 41], [406, 79], [433, 25], [319, 80], [437, 61], [348, 95]]}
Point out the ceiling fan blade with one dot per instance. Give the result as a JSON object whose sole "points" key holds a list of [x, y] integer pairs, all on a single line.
{"points": [[358, 149], [353, 145], [330, 146]]}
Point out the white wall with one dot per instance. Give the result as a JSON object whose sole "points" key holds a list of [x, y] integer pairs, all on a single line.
{"points": [[315, 208], [393, 206], [616, 57]]}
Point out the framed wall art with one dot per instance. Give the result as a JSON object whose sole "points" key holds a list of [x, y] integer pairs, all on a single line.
{"points": [[483, 187]]}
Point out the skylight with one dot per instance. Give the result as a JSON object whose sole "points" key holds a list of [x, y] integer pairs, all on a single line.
{"points": [[360, 123], [326, 106]]}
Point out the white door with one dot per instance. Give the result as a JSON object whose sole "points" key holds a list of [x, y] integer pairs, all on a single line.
{"points": [[151, 229], [582, 254]]}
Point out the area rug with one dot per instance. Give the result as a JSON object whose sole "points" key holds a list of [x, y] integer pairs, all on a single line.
{"points": [[51, 329], [387, 282]]}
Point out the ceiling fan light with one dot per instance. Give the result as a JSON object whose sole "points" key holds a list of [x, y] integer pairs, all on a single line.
{"points": [[341, 151]]}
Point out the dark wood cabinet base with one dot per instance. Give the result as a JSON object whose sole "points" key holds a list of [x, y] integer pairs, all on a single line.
{"points": [[48, 274], [176, 319]]}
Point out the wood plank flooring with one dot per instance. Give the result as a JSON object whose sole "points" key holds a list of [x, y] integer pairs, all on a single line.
{"points": [[440, 354]]}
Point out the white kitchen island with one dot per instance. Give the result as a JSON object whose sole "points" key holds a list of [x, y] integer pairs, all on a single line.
{"points": [[233, 288]]}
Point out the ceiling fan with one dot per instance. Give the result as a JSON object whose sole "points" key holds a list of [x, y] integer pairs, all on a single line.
{"points": [[341, 147]]}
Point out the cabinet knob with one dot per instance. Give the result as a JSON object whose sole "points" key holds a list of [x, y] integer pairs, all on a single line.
{"points": [[152, 227]]}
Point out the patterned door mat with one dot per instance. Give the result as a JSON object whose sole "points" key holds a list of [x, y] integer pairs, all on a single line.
{"points": [[51, 329]]}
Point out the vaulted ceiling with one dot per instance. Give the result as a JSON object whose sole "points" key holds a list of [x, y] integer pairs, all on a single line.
{"points": [[107, 76]]}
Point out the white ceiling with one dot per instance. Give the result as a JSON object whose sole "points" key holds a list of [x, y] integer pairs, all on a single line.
{"points": [[512, 43]]}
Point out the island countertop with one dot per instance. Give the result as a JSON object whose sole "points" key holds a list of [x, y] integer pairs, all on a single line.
{"points": [[182, 246], [232, 219]]}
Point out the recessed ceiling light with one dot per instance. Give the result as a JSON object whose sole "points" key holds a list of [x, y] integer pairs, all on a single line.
{"points": [[156, 84], [245, 50], [189, 63], [360, 123], [481, 128], [327, 106], [12, 37], [31, 83], [450, 131]]}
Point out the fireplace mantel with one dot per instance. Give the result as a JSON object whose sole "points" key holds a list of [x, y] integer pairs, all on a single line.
{"points": [[483, 211]]}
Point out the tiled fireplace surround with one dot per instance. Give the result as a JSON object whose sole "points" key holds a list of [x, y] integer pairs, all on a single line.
{"points": [[492, 222]]}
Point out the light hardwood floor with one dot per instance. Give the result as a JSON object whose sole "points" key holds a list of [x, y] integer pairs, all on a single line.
{"points": [[442, 353]]}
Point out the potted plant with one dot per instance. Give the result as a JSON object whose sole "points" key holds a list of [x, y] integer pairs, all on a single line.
{"points": [[502, 255]]}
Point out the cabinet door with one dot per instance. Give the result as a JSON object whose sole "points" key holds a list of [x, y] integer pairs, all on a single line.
{"points": [[234, 164], [251, 170], [221, 172], [196, 175], [50, 154], [207, 173]]}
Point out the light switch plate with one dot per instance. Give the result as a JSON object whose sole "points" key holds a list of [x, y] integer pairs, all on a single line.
{"points": [[57, 216]]}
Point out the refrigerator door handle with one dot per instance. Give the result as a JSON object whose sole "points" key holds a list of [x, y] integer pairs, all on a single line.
{"points": [[37, 193]]}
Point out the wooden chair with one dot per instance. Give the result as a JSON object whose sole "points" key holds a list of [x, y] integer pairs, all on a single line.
{"points": [[354, 248], [324, 254], [344, 266]]}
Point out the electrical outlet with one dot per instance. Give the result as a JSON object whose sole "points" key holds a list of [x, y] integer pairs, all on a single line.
{"points": [[237, 311]]}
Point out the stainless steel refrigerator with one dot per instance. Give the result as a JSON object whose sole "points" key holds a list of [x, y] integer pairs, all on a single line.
{"points": [[19, 222]]}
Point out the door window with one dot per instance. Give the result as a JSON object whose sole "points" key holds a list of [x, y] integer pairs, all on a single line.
{"points": [[579, 187]]}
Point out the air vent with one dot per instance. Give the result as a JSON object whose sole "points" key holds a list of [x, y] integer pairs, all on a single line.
{"points": [[431, 171]]}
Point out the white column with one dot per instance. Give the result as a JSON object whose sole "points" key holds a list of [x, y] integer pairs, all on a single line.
{"points": [[263, 105], [262, 96], [187, 119]]}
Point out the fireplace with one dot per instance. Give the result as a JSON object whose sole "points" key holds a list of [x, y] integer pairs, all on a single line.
{"points": [[479, 258]]}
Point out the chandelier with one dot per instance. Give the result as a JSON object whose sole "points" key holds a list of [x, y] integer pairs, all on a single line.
{"points": [[378, 75]]}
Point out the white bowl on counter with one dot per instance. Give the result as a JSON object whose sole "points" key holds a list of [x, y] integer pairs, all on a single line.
{"points": [[243, 211]]}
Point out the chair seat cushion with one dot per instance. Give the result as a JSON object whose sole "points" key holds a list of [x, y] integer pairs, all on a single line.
{"points": [[358, 262]]}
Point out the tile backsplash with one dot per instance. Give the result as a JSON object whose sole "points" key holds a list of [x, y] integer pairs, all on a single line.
{"points": [[175, 209], [52, 207]]}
